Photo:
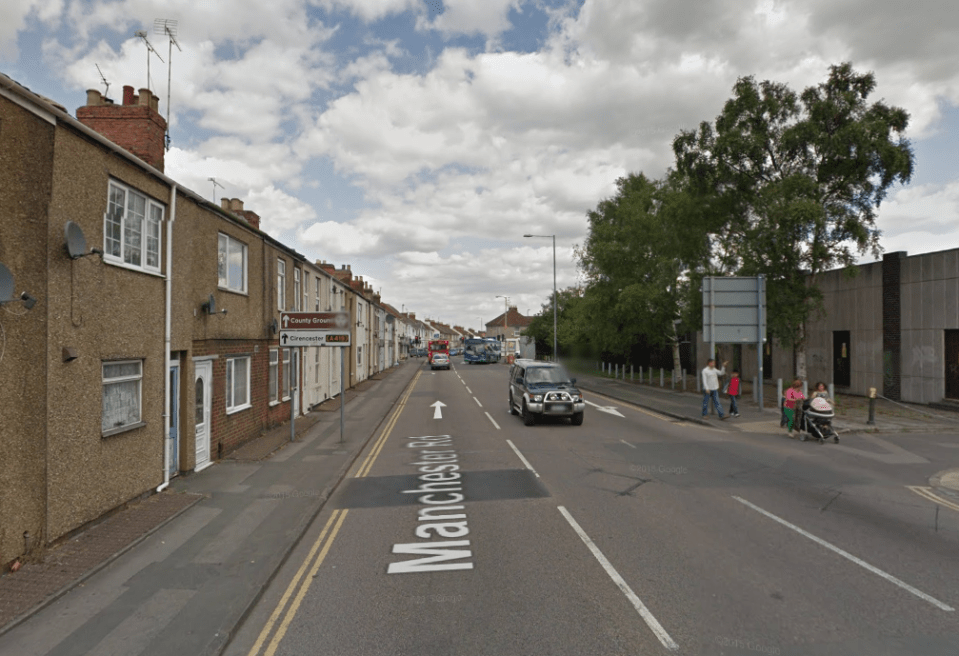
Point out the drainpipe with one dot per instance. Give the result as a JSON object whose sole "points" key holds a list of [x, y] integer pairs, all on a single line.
{"points": [[167, 329]]}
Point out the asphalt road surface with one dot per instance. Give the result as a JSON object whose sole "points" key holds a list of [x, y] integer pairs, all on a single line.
{"points": [[632, 534]]}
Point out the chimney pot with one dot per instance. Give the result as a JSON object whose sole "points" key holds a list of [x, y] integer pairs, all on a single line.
{"points": [[236, 205], [144, 98], [225, 203], [128, 96], [94, 98]]}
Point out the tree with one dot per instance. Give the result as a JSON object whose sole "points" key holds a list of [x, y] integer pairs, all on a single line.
{"points": [[641, 259], [792, 183], [571, 338]]}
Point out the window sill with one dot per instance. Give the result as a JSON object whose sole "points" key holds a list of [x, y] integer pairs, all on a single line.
{"points": [[120, 264], [239, 408], [273, 403], [122, 429], [232, 291]]}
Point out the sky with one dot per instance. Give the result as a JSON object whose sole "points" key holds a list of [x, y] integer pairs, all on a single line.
{"points": [[419, 140]]}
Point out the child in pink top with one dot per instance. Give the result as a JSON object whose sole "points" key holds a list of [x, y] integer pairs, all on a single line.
{"points": [[793, 395]]}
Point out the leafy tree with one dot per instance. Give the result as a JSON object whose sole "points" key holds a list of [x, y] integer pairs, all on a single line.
{"points": [[569, 318], [791, 184]]}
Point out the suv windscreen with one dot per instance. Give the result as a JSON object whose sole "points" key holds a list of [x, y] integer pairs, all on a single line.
{"points": [[551, 375]]}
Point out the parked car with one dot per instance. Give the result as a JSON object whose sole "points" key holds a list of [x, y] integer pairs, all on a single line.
{"points": [[440, 361], [544, 389]]}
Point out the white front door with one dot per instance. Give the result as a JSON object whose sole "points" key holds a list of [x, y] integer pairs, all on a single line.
{"points": [[202, 392]]}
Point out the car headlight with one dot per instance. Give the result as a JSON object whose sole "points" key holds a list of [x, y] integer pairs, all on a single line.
{"points": [[537, 398]]}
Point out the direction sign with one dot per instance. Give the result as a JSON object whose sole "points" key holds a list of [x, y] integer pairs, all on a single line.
{"points": [[734, 310], [336, 321], [313, 338]]}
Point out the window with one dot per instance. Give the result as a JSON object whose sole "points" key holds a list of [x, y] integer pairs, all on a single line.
{"points": [[306, 291], [122, 382], [316, 366], [131, 229], [274, 379], [317, 295], [296, 288], [281, 285], [231, 264], [286, 374], [237, 384], [359, 355]]}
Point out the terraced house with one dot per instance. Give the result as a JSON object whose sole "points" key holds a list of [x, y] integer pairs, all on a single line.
{"points": [[142, 337]]}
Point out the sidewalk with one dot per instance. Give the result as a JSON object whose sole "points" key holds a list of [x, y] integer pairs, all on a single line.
{"points": [[852, 412], [245, 513]]}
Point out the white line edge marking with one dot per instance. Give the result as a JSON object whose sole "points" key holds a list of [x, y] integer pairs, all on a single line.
{"points": [[640, 607], [875, 570], [469, 390], [477, 402], [493, 420], [628, 444], [525, 461]]}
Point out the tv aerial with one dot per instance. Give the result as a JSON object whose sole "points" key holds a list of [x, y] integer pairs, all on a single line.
{"points": [[215, 185], [143, 35], [106, 90], [168, 27]]}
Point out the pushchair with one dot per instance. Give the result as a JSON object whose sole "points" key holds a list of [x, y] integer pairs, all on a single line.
{"points": [[812, 419]]}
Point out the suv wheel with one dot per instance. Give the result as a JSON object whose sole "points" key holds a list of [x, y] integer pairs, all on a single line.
{"points": [[529, 418], [576, 419], [512, 408]]}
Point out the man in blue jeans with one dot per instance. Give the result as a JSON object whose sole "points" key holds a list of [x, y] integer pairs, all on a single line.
{"points": [[710, 376]]}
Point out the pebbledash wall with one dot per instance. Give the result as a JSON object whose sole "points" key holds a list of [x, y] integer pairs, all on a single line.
{"points": [[893, 325]]}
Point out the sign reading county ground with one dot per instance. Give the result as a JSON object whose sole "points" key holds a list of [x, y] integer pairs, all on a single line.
{"points": [[315, 329]]}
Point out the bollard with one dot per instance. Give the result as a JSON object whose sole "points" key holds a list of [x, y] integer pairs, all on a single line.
{"points": [[630, 373], [699, 383], [616, 371], [805, 389], [650, 375], [661, 376], [640, 373], [684, 380], [832, 392], [872, 406]]}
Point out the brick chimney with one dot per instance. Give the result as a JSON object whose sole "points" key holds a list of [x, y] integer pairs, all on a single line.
{"points": [[235, 205], [136, 125], [326, 266]]}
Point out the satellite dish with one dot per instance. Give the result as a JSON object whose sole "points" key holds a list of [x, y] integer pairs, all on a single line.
{"points": [[6, 285], [76, 242], [390, 318]]}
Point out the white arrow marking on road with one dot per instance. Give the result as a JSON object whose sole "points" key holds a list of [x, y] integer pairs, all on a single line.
{"points": [[437, 413], [607, 409]]}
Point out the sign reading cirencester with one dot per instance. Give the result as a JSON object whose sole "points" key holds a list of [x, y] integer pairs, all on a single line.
{"points": [[315, 329]]}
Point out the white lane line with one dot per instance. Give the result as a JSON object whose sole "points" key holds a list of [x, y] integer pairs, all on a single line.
{"points": [[525, 461], [493, 420], [477, 402], [640, 607], [628, 444], [849, 556], [468, 389]]}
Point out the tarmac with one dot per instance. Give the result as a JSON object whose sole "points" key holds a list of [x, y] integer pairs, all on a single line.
{"points": [[37, 585]]}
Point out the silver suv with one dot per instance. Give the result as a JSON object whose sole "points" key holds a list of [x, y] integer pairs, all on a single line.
{"points": [[544, 389]]}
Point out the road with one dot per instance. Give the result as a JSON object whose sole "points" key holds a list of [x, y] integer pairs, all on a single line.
{"points": [[632, 534]]}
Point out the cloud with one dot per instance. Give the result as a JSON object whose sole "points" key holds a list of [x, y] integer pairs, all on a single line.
{"points": [[487, 17], [920, 218], [370, 10]]}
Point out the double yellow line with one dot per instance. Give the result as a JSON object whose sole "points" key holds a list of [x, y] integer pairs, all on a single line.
{"points": [[375, 451], [927, 493], [300, 585]]}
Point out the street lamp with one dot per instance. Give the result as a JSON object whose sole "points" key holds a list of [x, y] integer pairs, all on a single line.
{"points": [[505, 314], [553, 237]]}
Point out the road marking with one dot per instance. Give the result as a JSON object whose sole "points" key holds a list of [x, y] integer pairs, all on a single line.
{"points": [[437, 412], [469, 390], [375, 451], [927, 493], [628, 444], [640, 607], [477, 402], [525, 461], [849, 556], [633, 407], [293, 585], [493, 420], [607, 409]]}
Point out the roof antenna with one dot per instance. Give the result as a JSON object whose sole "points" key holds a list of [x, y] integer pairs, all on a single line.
{"points": [[106, 91], [169, 28], [215, 185], [143, 35]]}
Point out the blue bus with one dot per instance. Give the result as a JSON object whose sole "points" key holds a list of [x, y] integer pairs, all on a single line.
{"points": [[480, 350]]}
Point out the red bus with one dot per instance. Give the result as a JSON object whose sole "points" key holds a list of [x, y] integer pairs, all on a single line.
{"points": [[438, 346]]}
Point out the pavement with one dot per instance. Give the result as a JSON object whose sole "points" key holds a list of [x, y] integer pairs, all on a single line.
{"points": [[231, 503], [852, 413]]}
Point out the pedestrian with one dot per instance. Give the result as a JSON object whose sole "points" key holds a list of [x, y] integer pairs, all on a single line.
{"points": [[820, 391], [793, 396], [710, 376], [732, 388]]}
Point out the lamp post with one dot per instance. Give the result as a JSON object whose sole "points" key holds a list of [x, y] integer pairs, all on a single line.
{"points": [[505, 314], [553, 237]]}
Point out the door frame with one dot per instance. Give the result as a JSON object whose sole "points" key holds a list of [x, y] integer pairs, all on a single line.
{"points": [[204, 371]]}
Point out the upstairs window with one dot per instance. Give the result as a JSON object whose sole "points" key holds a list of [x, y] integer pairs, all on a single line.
{"points": [[231, 264], [296, 289], [131, 229], [280, 285]]}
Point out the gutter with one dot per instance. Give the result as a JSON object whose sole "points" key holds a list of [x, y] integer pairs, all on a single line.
{"points": [[167, 330]]}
